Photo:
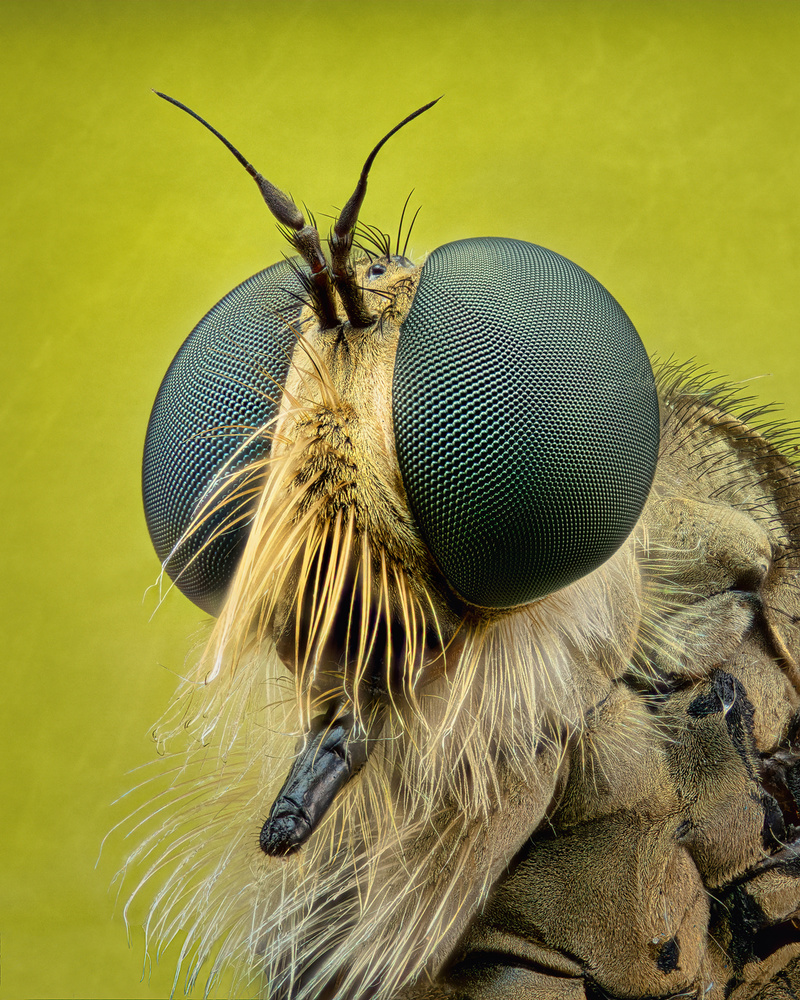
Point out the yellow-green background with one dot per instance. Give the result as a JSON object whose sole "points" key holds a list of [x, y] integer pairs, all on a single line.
{"points": [[655, 143]]}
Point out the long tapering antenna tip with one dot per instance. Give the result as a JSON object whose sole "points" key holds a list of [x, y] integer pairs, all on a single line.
{"points": [[280, 204], [349, 214], [178, 104]]}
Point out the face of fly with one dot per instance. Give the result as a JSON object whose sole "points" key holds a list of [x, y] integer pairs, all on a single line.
{"points": [[335, 573]]}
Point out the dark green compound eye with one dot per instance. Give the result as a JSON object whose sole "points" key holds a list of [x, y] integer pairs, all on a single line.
{"points": [[224, 383], [526, 419]]}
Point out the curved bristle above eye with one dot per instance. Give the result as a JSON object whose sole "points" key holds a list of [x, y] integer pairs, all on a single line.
{"points": [[374, 238], [410, 229]]}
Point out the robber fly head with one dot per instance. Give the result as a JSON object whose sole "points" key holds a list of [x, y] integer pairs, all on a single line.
{"points": [[360, 459], [404, 492]]}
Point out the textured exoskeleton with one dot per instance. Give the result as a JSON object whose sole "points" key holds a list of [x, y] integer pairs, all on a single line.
{"points": [[481, 766]]}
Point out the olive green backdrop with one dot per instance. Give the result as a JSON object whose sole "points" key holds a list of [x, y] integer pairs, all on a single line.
{"points": [[655, 143]]}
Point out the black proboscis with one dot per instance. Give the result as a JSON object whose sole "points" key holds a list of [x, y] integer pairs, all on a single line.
{"points": [[332, 753]]}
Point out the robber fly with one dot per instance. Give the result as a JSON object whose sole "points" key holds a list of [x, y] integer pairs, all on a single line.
{"points": [[500, 698]]}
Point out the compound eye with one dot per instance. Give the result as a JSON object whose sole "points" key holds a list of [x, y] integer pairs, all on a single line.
{"points": [[526, 419], [224, 383]]}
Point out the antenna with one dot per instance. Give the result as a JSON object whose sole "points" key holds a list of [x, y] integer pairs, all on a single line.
{"points": [[305, 238]]}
